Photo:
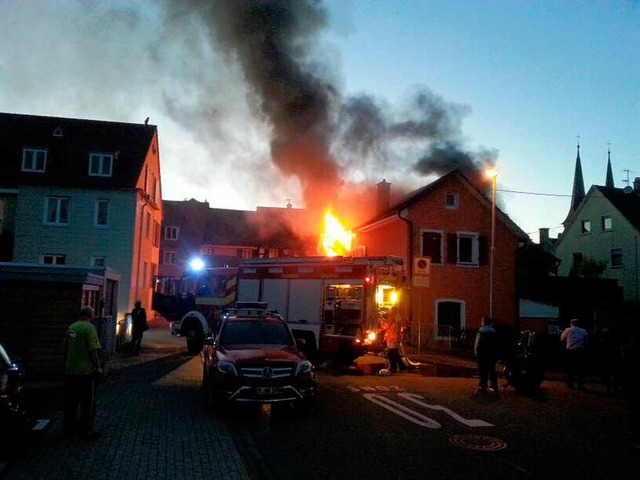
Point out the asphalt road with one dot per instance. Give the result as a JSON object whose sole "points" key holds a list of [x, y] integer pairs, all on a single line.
{"points": [[408, 426]]}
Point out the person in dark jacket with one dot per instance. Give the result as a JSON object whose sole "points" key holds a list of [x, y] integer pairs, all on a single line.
{"points": [[139, 325], [486, 350]]}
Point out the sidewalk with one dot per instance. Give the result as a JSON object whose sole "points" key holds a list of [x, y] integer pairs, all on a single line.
{"points": [[147, 408]]}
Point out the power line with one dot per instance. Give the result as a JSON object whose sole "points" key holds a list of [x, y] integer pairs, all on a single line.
{"points": [[540, 194]]}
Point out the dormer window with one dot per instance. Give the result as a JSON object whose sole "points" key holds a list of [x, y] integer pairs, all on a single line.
{"points": [[34, 159], [100, 164]]}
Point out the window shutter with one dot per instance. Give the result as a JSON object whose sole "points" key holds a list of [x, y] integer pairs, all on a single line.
{"points": [[452, 248], [483, 250]]}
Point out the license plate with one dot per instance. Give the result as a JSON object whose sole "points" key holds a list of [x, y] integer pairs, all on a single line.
{"points": [[268, 390]]}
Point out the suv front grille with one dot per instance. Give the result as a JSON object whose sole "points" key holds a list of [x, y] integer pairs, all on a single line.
{"points": [[266, 372]]}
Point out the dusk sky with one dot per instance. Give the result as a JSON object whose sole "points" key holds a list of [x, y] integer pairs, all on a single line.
{"points": [[398, 87]]}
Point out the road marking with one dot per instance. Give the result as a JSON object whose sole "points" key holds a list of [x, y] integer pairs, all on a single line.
{"points": [[417, 399], [378, 388], [401, 410], [40, 424], [414, 416]]}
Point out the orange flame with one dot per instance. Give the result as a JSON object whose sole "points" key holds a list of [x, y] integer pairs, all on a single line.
{"points": [[335, 240]]}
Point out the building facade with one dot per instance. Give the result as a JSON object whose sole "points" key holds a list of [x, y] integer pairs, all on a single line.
{"points": [[222, 237], [448, 223], [82, 193]]}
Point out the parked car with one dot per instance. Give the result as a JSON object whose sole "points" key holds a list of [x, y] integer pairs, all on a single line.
{"points": [[254, 358], [14, 418]]}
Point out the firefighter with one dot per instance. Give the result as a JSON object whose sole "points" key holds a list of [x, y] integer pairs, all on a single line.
{"points": [[393, 327]]}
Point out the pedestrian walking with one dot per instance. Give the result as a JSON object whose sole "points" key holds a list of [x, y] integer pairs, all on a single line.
{"points": [[392, 336], [576, 348], [631, 386], [82, 364], [486, 351], [139, 325]]}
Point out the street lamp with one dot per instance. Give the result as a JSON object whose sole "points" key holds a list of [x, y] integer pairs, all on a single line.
{"points": [[492, 173]]}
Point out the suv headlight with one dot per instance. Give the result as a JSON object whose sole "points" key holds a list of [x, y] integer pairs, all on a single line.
{"points": [[304, 367], [228, 368]]}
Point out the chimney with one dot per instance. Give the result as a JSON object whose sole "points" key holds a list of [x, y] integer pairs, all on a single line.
{"points": [[544, 236], [384, 196], [636, 184]]}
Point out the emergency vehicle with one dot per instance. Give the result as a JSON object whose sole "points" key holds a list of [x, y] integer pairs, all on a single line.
{"points": [[194, 302], [331, 303]]}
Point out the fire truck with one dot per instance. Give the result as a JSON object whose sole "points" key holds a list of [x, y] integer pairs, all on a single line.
{"points": [[331, 303], [194, 302]]}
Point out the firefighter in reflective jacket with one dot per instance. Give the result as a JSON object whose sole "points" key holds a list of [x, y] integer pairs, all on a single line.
{"points": [[392, 331]]}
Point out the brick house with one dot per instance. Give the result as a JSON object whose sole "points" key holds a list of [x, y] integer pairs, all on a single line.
{"points": [[82, 193], [223, 237], [448, 221]]}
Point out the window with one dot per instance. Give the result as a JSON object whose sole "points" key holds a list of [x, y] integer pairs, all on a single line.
{"points": [[432, 246], [468, 248], [586, 226], [451, 201], [143, 277], [576, 266], [450, 318], [210, 251], [607, 223], [152, 187], [616, 258], [171, 233], [147, 224], [169, 257], [34, 159], [156, 233], [154, 272], [98, 261], [101, 216], [100, 164], [273, 253], [53, 259], [56, 210], [247, 253]]}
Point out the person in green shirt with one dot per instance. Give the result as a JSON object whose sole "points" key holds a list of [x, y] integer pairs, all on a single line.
{"points": [[82, 363]]}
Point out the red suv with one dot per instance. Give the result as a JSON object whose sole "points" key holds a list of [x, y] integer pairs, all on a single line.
{"points": [[253, 357]]}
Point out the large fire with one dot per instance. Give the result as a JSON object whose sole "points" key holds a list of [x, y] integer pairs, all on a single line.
{"points": [[335, 240]]}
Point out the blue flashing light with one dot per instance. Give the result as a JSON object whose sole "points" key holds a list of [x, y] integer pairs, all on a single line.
{"points": [[196, 264]]}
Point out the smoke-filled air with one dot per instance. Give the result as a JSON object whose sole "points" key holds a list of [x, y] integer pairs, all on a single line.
{"points": [[254, 90]]}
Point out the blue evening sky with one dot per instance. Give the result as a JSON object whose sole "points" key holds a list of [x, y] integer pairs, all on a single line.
{"points": [[535, 74]]}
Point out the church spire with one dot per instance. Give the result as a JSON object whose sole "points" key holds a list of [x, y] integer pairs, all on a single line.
{"points": [[578, 188], [609, 181]]}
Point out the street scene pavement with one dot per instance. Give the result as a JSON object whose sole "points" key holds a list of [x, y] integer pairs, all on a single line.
{"points": [[144, 421], [154, 425]]}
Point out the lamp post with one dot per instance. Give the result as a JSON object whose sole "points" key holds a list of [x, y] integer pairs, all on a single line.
{"points": [[492, 173]]}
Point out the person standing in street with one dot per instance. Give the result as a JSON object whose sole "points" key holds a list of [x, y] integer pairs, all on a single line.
{"points": [[139, 325], [576, 349], [393, 328], [82, 364], [486, 350]]}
